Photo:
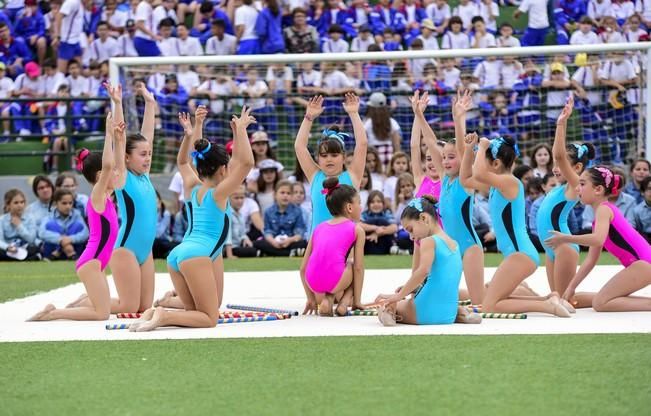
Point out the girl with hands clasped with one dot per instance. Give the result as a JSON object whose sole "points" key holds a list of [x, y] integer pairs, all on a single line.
{"points": [[612, 232], [330, 154], [99, 171], [492, 167], [208, 190]]}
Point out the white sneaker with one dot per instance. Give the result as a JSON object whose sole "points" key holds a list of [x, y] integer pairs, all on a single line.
{"points": [[300, 252], [292, 253], [403, 252], [25, 132], [394, 250]]}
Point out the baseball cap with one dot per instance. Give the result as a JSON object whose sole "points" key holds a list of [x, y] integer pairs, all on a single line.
{"points": [[269, 164], [377, 99], [259, 136], [2, 66], [427, 23], [32, 69], [557, 67]]}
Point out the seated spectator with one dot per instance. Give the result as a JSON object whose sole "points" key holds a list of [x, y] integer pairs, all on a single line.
{"points": [[541, 160], [439, 12], [188, 79], [379, 224], [488, 72], [375, 167], [245, 18], [126, 40], [390, 41], [642, 212], [266, 183], [301, 37], [30, 25], [52, 77], [428, 35], [533, 190], [362, 41], [585, 35], [28, 85], [56, 126], [64, 232], [405, 189], [383, 16], [598, 9], [146, 37], [506, 38], [365, 187], [377, 74], [399, 164], [217, 88], [261, 151], [567, 14], [16, 54], [104, 47], [524, 173], [204, 15], [557, 94], [481, 221], [268, 27], [610, 30], [43, 189], [527, 102], [17, 230], [335, 43], [549, 182], [68, 182], [639, 171], [489, 11], [168, 45], [255, 90], [633, 31], [180, 226], [455, 38], [481, 37], [298, 199], [221, 43], [622, 10], [284, 227], [241, 245], [188, 45], [308, 82], [510, 72], [466, 10], [6, 91], [497, 116], [163, 241], [165, 10], [413, 15]]}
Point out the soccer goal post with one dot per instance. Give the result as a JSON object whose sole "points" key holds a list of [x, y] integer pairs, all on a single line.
{"points": [[516, 91]]}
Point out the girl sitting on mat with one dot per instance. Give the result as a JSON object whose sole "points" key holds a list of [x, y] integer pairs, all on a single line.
{"points": [[435, 277], [208, 189], [99, 171], [333, 265], [612, 232], [330, 154], [492, 168]]}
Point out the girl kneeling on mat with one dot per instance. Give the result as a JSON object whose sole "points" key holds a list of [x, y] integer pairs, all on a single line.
{"points": [[436, 275], [612, 232], [330, 271]]}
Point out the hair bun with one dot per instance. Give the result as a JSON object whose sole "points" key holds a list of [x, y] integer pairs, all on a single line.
{"points": [[430, 199], [592, 152], [331, 182], [201, 144]]}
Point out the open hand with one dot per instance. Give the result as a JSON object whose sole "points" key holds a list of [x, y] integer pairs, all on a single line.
{"points": [[351, 103], [115, 92], [184, 121], [461, 103], [556, 239], [314, 107], [567, 110], [244, 120], [200, 115]]}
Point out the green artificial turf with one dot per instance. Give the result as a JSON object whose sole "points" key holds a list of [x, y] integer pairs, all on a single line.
{"points": [[416, 375], [18, 280]]}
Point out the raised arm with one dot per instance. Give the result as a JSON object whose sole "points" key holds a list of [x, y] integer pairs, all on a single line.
{"points": [[428, 134], [149, 118], [98, 194], [242, 161], [120, 150], [482, 174], [460, 106], [183, 161], [414, 144], [115, 92], [351, 105], [465, 172], [313, 110], [559, 151]]}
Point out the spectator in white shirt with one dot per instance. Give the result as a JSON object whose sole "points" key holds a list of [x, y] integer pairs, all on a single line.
{"points": [[510, 72], [439, 13], [451, 74], [163, 11], [537, 24], [245, 18], [335, 42], [125, 41], [189, 81], [216, 88], [104, 47], [221, 43], [587, 76], [488, 72], [455, 38], [506, 38], [481, 38], [558, 91], [622, 10], [489, 11], [6, 91], [146, 37], [52, 77], [466, 10], [188, 45], [611, 32], [168, 45], [633, 30], [79, 84], [428, 36], [643, 8], [361, 42], [67, 31], [618, 72], [598, 9], [585, 35], [255, 90]]}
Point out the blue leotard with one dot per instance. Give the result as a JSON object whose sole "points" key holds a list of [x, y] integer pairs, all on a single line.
{"points": [[437, 298], [509, 224], [552, 216], [454, 201], [320, 211], [207, 230], [138, 212]]}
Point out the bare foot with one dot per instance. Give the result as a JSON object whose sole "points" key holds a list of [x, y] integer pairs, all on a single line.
{"points": [[464, 316], [154, 322], [558, 309], [165, 299], [325, 308], [344, 303], [77, 301], [567, 305], [43, 315], [146, 316]]}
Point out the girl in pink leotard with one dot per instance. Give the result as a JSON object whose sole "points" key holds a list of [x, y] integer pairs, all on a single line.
{"points": [[611, 231], [100, 172], [333, 265]]}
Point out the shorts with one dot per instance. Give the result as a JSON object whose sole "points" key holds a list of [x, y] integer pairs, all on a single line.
{"points": [[249, 47], [146, 47], [69, 51]]}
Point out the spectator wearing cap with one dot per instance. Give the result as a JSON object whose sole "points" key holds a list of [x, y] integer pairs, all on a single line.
{"points": [[268, 27], [335, 42], [126, 40], [567, 13], [439, 13], [245, 18], [14, 52], [165, 10], [466, 10], [172, 99], [537, 24], [30, 25], [204, 15], [489, 11], [221, 43], [428, 35], [557, 94], [264, 155], [104, 47], [506, 38], [301, 37], [146, 36], [67, 32], [28, 85], [361, 42], [383, 16], [585, 35], [269, 175], [383, 131]]}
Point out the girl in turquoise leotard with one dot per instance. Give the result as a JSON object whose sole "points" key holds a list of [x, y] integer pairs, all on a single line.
{"points": [[492, 167], [191, 263]]}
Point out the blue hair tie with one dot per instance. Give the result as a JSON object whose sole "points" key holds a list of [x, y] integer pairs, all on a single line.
{"points": [[200, 154], [417, 204], [331, 134], [497, 143], [581, 149]]}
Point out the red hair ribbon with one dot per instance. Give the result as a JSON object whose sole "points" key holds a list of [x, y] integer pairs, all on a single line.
{"points": [[328, 191], [80, 159], [615, 185]]}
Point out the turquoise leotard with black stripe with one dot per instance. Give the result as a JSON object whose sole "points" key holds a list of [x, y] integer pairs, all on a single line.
{"points": [[138, 211], [320, 212], [455, 208], [508, 219], [552, 216]]}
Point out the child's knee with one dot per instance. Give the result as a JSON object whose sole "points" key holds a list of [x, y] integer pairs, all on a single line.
{"points": [[599, 303]]}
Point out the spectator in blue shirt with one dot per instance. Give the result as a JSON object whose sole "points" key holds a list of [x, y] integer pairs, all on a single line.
{"points": [[30, 25], [283, 226], [268, 26], [13, 52], [64, 233], [642, 212], [379, 224], [202, 21], [567, 14], [17, 230], [640, 170], [4, 18], [43, 189]]}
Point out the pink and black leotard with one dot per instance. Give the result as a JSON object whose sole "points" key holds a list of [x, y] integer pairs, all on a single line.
{"points": [[103, 233], [623, 241]]}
